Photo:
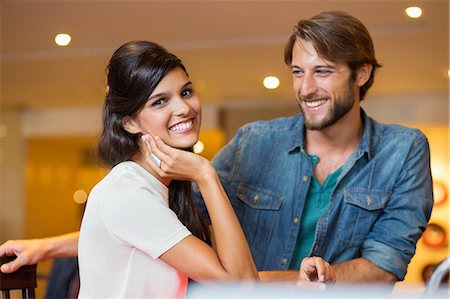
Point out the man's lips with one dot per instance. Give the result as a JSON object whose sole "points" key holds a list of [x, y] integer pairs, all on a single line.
{"points": [[314, 103]]}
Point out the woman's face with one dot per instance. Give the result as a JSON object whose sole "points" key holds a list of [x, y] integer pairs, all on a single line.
{"points": [[172, 112]]}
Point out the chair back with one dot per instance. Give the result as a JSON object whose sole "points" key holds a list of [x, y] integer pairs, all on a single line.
{"points": [[437, 278], [23, 279]]}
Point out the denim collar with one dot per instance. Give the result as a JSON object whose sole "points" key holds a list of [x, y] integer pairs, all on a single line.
{"points": [[366, 144], [297, 136]]}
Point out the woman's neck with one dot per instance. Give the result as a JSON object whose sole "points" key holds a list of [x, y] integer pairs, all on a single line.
{"points": [[140, 159]]}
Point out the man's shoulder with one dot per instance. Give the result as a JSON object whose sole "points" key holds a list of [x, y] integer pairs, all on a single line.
{"points": [[277, 125], [396, 131]]}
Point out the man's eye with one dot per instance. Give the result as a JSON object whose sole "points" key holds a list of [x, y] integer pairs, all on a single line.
{"points": [[323, 72], [297, 72]]}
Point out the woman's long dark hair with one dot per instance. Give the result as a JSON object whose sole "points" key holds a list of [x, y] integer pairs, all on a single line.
{"points": [[134, 71]]}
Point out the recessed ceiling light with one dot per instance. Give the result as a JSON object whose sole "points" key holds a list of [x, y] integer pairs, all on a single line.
{"points": [[413, 12], [271, 82], [62, 39]]}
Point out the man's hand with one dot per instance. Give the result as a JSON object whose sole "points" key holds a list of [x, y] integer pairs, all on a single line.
{"points": [[32, 251], [315, 269], [27, 251]]}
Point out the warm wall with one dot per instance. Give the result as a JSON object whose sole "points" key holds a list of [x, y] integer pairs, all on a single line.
{"points": [[55, 168], [438, 137]]}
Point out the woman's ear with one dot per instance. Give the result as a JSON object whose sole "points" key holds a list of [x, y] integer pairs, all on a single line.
{"points": [[363, 74], [129, 124]]}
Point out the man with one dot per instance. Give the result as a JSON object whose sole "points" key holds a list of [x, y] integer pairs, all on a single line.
{"points": [[330, 183]]}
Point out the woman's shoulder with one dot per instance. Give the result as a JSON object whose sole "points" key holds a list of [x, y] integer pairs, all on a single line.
{"points": [[128, 183]]}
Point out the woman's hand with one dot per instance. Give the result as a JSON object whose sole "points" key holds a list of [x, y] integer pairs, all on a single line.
{"points": [[315, 269], [175, 163]]}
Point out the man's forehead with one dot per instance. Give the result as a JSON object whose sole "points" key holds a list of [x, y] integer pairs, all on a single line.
{"points": [[304, 48]]}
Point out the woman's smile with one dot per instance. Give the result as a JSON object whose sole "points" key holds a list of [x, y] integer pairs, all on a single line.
{"points": [[182, 126]]}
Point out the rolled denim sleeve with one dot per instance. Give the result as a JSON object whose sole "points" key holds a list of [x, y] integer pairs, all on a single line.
{"points": [[392, 240]]}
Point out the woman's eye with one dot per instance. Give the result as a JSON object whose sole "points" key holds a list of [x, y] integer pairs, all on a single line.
{"points": [[186, 93], [158, 102]]}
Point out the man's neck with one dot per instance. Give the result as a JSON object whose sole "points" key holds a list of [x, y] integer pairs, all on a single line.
{"points": [[334, 144]]}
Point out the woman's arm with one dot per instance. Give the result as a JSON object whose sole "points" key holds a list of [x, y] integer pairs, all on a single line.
{"points": [[232, 258], [33, 251]]}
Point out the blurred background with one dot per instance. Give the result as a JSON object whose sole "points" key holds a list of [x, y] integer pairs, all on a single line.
{"points": [[51, 95]]}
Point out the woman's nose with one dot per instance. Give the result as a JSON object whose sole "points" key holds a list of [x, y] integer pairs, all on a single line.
{"points": [[181, 107]]}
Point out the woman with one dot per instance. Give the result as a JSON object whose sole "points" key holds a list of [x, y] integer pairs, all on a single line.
{"points": [[141, 235], [150, 95]]}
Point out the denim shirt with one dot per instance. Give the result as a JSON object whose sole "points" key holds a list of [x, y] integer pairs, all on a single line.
{"points": [[378, 209]]}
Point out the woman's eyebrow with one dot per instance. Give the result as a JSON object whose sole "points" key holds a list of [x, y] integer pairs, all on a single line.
{"points": [[163, 93]]}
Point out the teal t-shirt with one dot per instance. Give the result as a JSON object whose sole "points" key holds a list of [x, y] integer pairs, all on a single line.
{"points": [[317, 201]]}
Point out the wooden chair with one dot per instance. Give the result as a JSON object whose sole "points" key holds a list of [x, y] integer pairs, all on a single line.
{"points": [[23, 279]]}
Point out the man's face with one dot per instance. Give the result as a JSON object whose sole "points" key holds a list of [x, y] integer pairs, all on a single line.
{"points": [[324, 90]]}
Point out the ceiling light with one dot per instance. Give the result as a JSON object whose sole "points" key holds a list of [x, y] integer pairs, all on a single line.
{"points": [[62, 39], [271, 82], [414, 12]]}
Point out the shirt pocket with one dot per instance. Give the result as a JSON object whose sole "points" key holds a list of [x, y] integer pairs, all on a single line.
{"points": [[258, 211], [360, 211]]}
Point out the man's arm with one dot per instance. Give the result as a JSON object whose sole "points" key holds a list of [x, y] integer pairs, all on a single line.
{"points": [[361, 271], [353, 271], [33, 251]]}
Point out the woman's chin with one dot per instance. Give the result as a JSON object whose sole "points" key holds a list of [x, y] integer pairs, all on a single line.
{"points": [[184, 145]]}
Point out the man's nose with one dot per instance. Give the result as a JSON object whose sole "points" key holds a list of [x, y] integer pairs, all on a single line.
{"points": [[308, 86]]}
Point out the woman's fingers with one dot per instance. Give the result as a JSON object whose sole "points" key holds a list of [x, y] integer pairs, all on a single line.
{"points": [[151, 156], [167, 155], [165, 160], [174, 163]]}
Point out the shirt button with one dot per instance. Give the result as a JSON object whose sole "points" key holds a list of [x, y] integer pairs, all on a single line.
{"points": [[284, 261], [305, 178], [255, 198], [296, 220]]}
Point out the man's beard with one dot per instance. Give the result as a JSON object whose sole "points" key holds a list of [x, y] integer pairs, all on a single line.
{"points": [[339, 107]]}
